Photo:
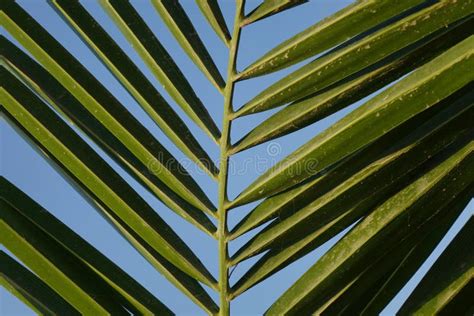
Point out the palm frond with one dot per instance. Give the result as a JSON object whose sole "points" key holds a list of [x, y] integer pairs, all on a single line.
{"points": [[376, 117], [210, 9], [386, 224], [333, 67], [302, 113], [270, 7], [354, 19], [134, 81], [30, 289], [101, 103], [74, 269], [450, 295], [100, 180], [381, 281], [406, 157], [391, 177], [183, 30], [160, 63], [45, 85]]}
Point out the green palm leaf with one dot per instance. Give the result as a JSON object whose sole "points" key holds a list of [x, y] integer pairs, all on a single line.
{"points": [[352, 20], [392, 177], [185, 283], [456, 263], [405, 157], [213, 14], [387, 109], [51, 90], [183, 30], [270, 7], [134, 81], [381, 281], [303, 113], [80, 161], [160, 63], [440, 184], [30, 289], [331, 68], [295, 198], [46, 259], [101, 103], [19, 208]]}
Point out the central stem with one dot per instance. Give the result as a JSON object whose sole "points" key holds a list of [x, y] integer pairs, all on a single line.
{"points": [[223, 165]]}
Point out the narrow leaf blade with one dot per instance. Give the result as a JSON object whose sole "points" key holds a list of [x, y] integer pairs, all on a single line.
{"points": [[270, 7], [414, 94], [185, 283], [101, 103], [160, 63], [30, 289], [334, 67], [134, 295], [410, 153], [332, 212], [335, 29], [134, 81], [287, 202], [183, 30], [433, 190], [72, 280], [210, 9], [381, 281], [456, 265], [45, 85], [80, 162], [312, 109]]}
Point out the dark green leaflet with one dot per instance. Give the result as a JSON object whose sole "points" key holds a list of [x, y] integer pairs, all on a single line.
{"points": [[450, 295], [270, 7], [331, 213], [77, 284], [160, 63], [183, 30], [342, 63], [414, 94], [85, 166], [287, 202], [134, 81], [66, 237], [426, 196], [303, 113], [213, 14], [44, 84], [381, 281], [30, 289], [102, 104], [335, 29], [407, 155], [127, 291]]}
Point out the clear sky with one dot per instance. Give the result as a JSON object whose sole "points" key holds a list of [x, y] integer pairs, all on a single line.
{"points": [[28, 169]]}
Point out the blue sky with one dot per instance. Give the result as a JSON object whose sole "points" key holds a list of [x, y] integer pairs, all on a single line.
{"points": [[27, 168]]}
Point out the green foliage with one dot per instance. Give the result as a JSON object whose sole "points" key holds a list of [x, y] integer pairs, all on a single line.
{"points": [[399, 168]]}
